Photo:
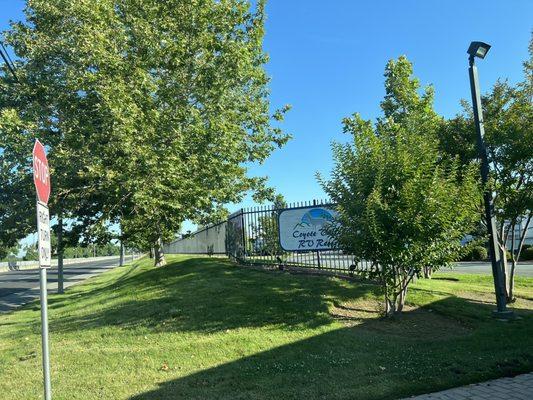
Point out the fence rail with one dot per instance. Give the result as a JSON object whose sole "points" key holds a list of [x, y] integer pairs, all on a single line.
{"points": [[251, 236]]}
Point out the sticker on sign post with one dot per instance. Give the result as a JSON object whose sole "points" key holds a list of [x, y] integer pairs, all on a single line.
{"points": [[303, 229], [43, 232]]}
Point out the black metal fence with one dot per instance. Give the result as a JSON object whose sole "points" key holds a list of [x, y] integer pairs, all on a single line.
{"points": [[251, 236]]}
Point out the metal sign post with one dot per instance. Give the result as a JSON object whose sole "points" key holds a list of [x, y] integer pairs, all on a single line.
{"points": [[41, 179], [45, 255], [44, 334]]}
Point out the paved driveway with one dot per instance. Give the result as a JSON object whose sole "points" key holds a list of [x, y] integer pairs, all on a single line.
{"points": [[518, 388], [20, 287]]}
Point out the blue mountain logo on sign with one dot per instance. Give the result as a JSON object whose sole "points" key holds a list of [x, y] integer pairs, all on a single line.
{"points": [[316, 217]]}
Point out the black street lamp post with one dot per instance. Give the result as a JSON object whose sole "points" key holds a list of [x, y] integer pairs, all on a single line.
{"points": [[480, 49]]}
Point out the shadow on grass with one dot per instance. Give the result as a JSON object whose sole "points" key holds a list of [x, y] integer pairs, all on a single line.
{"points": [[209, 295], [440, 278], [447, 343], [423, 350]]}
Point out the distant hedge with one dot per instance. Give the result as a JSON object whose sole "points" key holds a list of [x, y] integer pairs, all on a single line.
{"points": [[527, 253], [474, 252]]}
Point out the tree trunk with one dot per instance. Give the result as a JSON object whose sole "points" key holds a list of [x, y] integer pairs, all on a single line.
{"points": [[151, 253], [390, 307], [505, 267], [427, 272], [60, 252], [401, 299], [159, 256], [515, 257], [502, 248], [121, 259], [510, 289], [510, 276]]}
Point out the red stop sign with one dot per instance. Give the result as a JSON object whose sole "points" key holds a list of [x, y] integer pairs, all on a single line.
{"points": [[41, 172]]}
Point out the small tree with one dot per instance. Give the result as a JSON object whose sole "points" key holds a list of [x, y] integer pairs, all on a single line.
{"points": [[31, 252], [508, 118], [401, 205], [266, 230]]}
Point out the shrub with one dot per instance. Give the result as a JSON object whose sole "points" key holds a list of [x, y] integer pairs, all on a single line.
{"points": [[474, 252], [400, 204], [479, 253], [527, 254]]}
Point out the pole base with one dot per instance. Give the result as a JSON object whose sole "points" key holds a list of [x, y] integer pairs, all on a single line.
{"points": [[503, 315]]}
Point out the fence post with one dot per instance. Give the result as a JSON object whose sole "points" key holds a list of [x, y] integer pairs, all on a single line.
{"points": [[318, 251], [243, 236]]}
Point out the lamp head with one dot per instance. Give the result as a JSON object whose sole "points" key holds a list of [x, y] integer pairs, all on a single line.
{"points": [[478, 49]]}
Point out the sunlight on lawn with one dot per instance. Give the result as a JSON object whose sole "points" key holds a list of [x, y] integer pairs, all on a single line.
{"points": [[202, 328]]}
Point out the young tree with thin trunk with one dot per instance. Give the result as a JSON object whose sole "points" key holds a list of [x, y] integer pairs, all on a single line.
{"points": [[508, 118], [401, 205]]}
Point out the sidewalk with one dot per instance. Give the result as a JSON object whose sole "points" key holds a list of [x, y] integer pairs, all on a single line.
{"points": [[520, 387]]}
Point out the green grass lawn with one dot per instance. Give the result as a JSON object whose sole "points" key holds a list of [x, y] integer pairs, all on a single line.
{"points": [[202, 328]]}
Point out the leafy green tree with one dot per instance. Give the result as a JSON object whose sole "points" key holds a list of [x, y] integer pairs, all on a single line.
{"points": [[153, 110], [11, 253], [17, 201], [266, 231], [402, 205], [508, 118], [31, 252], [209, 115]]}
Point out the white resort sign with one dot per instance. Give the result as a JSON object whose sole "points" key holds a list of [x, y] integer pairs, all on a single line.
{"points": [[302, 229]]}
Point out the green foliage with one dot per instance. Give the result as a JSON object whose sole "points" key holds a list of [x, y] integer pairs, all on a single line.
{"points": [[153, 110], [527, 253], [508, 119], [108, 249], [10, 253], [480, 253], [17, 201], [402, 205], [509, 115], [473, 251], [79, 250], [266, 231], [31, 252]]}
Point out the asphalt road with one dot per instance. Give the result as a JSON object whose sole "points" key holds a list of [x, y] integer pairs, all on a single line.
{"points": [[20, 287], [522, 269], [342, 262]]}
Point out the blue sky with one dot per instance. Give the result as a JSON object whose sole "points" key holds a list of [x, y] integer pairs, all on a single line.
{"points": [[327, 60]]}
